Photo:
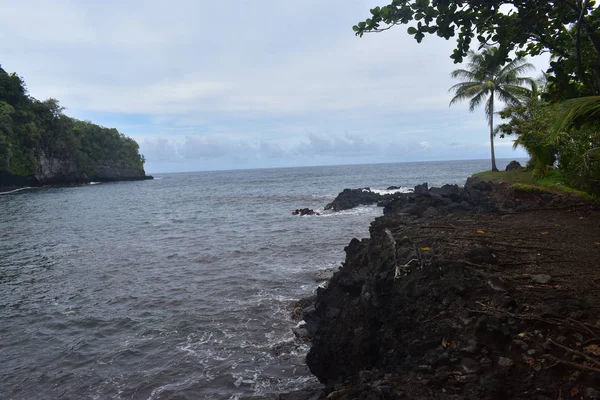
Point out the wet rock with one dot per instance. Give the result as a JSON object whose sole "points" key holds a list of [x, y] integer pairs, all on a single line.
{"points": [[325, 274], [304, 211], [351, 198], [301, 333], [306, 394]]}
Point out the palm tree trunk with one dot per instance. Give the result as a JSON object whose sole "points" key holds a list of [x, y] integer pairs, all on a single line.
{"points": [[494, 168]]}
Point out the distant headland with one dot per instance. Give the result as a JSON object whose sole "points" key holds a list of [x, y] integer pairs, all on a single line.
{"points": [[39, 145]]}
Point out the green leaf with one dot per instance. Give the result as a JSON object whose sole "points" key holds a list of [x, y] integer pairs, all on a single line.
{"points": [[412, 30]]}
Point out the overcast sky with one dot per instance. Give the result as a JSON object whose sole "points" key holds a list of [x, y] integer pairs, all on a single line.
{"points": [[227, 84]]}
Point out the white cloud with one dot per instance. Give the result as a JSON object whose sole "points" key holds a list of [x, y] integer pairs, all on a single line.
{"points": [[241, 80]]}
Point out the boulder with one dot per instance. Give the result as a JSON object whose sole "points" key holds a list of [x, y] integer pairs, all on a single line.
{"points": [[514, 166], [351, 198], [304, 211]]}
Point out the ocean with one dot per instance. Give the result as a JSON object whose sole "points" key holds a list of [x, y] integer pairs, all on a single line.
{"points": [[179, 287]]}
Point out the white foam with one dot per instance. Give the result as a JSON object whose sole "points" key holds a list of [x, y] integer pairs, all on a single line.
{"points": [[16, 190], [360, 210], [392, 191], [95, 183]]}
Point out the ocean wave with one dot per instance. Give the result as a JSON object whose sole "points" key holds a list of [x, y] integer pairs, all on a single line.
{"points": [[16, 190], [390, 191], [360, 210]]}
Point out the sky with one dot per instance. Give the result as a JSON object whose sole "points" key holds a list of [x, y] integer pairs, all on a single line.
{"points": [[234, 84]]}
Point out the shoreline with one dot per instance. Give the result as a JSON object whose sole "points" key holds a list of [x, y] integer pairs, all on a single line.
{"points": [[7, 189], [447, 302]]}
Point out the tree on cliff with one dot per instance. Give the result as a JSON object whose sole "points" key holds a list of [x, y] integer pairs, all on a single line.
{"points": [[568, 29], [485, 78], [30, 128]]}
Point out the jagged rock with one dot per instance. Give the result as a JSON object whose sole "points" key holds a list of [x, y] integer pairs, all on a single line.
{"points": [[304, 211], [325, 274], [451, 191], [421, 189], [305, 394], [505, 362], [351, 198], [478, 184], [514, 166]]}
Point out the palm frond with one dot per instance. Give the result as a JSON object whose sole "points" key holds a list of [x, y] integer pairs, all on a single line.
{"points": [[477, 100], [512, 94], [466, 90], [463, 74], [573, 109]]}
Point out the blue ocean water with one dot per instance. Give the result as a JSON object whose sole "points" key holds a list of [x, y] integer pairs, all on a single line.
{"points": [[176, 288]]}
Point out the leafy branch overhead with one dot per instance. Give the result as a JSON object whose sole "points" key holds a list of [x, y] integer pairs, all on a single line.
{"points": [[569, 29]]}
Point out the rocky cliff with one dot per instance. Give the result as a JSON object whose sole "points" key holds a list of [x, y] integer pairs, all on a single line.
{"points": [[464, 293], [64, 171]]}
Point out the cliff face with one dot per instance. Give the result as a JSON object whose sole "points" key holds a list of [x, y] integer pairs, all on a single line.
{"points": [[64, 171], [39, 145], [58, 171]]}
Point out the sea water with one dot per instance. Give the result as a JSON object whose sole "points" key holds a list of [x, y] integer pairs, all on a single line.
{"points": [[179, 287]]}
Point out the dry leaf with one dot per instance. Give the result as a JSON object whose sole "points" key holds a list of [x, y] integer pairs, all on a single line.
{"points": [[522, 335], [560, 395], [448, 344], [480, 232], [593, 348], [529, 360], [424, 249], [575, 391], [545, 233]]}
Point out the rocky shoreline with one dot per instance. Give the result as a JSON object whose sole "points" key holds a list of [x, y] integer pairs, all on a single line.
{"points": [[16, 183], [480, 292]]}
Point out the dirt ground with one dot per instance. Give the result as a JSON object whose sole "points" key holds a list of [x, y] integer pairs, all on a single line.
{"points": [[562, 242]]}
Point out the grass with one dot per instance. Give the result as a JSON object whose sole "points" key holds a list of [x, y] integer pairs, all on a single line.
{"points": [[527, 181]]}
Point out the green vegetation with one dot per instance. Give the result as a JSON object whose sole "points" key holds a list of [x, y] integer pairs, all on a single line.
{"points": [[528, 181], [531, 188], [485, 78], [30, 128], [559, 125], [568, 29]]}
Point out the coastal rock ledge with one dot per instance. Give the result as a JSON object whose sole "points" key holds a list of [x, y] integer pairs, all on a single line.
{"points": [[448, 305], [64, 171]]}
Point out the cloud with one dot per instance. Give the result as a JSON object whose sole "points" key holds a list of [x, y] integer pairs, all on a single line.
{"points": [[205, 84]]}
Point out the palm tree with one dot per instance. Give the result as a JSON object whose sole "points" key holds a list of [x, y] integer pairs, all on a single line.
{"points": [[485, 78]]}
